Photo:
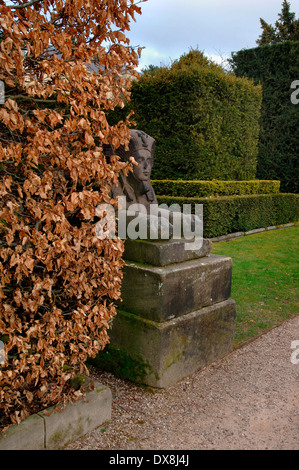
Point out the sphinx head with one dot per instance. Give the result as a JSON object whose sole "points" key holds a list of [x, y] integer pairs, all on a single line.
{"points": [[142, 149], [136, 185]]}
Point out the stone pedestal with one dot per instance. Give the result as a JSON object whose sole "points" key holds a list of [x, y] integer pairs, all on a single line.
{"points": [[176, 315]]}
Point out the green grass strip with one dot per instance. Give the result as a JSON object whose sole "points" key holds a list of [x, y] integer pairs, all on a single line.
{"points": [[265, 279]]}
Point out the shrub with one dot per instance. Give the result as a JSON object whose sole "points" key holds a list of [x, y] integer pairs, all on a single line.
{"points": [[58, 281], [229, 214], [214, 188], [204, 121], [275, 67]]}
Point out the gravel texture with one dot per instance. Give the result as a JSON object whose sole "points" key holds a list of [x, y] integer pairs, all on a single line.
{"points": [[247, 401]]}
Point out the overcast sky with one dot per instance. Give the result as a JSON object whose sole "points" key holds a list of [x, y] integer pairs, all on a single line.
{"points": [[169, 28]]}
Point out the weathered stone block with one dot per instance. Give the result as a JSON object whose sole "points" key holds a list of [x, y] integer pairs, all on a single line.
{"points": [[162, 293], [163, 253], [28, 435], [78, 418], [169, 351], [55, 429]]}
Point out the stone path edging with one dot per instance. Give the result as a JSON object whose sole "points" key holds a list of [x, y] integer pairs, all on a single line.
{"points": [[232, 236], [49, 430]]}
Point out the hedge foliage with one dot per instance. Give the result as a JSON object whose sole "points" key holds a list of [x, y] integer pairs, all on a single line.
{"points": [[275, 67], [229, 214], [59, 281], [204, 121], [214, 188]]}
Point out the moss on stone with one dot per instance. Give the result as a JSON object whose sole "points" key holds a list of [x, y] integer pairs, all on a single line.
{"points": [[121, 364], [77, 381]]}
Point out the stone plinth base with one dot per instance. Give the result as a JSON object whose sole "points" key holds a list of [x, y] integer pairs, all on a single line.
{"points": [[162, 293], [163, 253], [162, 353], [176, 316]]}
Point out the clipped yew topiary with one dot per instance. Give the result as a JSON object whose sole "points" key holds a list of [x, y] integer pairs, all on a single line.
{"points": [[228, 214], [204, 120], [276, 68], [214, 188]]}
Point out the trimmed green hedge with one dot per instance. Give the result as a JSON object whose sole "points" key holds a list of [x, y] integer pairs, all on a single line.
{"points": [[229, 214], [275, 67], [204, 121], [214, 188]]}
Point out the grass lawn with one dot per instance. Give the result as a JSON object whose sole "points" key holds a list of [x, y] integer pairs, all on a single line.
{"points": [[265, 279]]}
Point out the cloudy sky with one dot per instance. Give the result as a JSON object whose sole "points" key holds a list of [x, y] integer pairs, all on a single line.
{"points": [[169, 28]]}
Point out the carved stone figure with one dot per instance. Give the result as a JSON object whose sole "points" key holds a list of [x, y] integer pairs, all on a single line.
{"points": [[177, 296], [138, 191], [136, 186]]}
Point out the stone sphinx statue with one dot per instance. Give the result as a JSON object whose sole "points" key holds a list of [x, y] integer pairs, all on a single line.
{"points": [[139, 199], [136, 186]]}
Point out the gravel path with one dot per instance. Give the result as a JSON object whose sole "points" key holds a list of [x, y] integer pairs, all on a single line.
{"points": [[249, 400]]}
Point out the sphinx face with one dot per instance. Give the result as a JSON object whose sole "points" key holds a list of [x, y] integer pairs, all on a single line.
{"points": [[142, 171]]}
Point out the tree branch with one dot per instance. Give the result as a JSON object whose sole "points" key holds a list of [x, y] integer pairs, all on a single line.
{"points": [[23, 5], [30, 98]]}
